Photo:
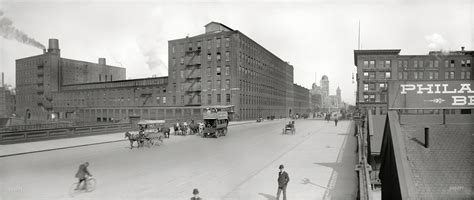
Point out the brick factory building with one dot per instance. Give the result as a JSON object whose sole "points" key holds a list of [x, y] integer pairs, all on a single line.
{"points": [[38, 77], [221, 67], [225, 67], [375, 68], [301, 100]]}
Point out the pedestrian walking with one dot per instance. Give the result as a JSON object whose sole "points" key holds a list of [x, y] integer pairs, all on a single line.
{"points": [[335, 121], [283, 180], [196, 194]]}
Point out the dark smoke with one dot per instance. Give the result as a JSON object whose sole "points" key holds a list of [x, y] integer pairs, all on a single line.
{"points": [[8, 31]]}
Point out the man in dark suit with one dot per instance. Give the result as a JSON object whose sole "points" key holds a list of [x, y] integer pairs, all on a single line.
{"points": [[283, 180]]}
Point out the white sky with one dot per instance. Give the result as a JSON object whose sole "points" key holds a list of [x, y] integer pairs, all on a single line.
{"points": [[314, 36]]}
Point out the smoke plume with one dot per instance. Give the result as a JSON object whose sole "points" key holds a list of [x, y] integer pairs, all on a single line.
{"points": [[8, 31], [153, 49], [436, 42]]}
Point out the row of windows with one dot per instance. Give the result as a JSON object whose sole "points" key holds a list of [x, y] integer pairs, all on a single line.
{"points": [[198, 44], [382, 75], [371, 86], [375, 98], [416, 63], [122, 101]]}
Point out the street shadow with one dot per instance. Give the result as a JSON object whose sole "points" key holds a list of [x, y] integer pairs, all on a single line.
{"points": [[417, 141], [306, 181], [343, 180], [269, 197]]}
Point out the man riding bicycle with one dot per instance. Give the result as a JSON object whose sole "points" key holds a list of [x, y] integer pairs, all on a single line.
{"points": [[82, 174]]}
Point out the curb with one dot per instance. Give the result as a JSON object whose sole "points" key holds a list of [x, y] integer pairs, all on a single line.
{"points": [[83, 145], [68, 147]]}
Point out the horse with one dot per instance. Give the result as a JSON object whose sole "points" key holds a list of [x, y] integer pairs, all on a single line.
{"points": [[194, 128], [166, 131], [134, 138]]}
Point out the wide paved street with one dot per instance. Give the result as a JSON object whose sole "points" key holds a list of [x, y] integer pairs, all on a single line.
{"points": [[319, 158]]}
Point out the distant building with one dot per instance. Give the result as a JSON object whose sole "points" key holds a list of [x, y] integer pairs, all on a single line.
{"points": [[38, 77], [7, 100], [375, 68], [301, 100]]}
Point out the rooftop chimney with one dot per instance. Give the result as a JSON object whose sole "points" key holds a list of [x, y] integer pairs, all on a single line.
{"points": [[102, 61], [53, 46], [462, 48], [3, 80]]}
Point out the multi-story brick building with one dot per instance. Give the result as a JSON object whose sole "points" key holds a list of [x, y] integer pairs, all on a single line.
{"points": [[225, 67], [375, 68], [38, 77], [301, 100], [221, 67]]}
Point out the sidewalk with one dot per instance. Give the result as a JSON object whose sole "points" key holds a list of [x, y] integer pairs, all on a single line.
{"points": [[57, 144]]}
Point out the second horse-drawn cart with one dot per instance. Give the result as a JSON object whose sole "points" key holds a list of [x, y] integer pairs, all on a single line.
{"points": [[289, 128]]}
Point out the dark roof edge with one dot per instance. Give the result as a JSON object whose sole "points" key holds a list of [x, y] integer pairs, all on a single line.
{"points": [[407, 187]]}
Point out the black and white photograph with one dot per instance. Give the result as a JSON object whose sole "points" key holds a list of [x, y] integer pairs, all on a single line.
{"points": [[236, 99]]}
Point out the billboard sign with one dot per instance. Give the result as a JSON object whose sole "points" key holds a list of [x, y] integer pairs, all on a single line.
{"points": [[457, 94]]}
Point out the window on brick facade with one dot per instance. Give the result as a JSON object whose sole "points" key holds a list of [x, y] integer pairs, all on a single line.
{"points": [[366, 74], [387, 63], [400, 75], [451, 63], [227, 56], [209, 57], [468, 75], [430, 64], [158, 100], [218, 70], [227, 84], [218, 96], [372, 64], [451, 75], [436, 64], [218, 84], [218, 42], [388, 75], [181, 60], [227, 70], [366, 98], [208, 71], [415, 64], [372, 98], [209, 99], [420, 75], [420, 64], [366, 87], [209, 85], [366, 63], [218, 57], [415, 75], [371, 75], [227, 98], [227, 42], [468, 63], [435, 75]]}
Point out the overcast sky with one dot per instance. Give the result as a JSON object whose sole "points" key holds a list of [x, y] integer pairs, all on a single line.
{"points": [[314, 36]]}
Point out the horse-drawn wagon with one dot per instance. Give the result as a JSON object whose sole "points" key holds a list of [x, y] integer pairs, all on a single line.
{"points": [[289, 128], [150, 132]]}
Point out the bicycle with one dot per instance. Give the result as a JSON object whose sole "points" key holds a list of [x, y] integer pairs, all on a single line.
{"points": [[90, 184]]}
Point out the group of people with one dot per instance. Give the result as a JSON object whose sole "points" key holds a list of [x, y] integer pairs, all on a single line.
{"points": [[283, 179]]}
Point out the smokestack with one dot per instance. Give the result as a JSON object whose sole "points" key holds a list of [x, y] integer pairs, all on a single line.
{"points": [[102, 61], [3, 80], [53, 46], [462, 48]]}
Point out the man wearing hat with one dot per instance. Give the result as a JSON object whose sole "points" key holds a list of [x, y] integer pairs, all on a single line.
{"points": [[283, 180], [196, 194]]}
